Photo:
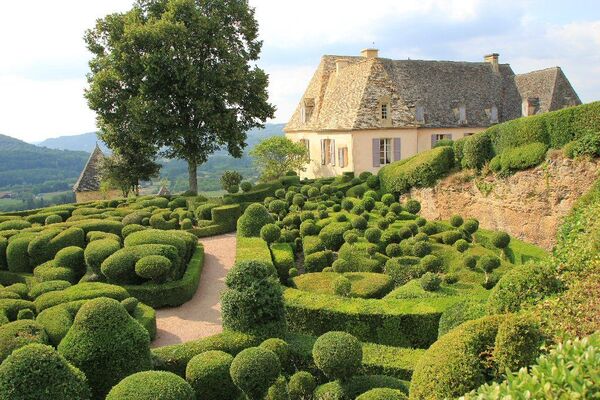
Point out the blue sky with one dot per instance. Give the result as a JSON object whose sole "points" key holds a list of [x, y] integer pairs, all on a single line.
{"points": [[43, 59]]}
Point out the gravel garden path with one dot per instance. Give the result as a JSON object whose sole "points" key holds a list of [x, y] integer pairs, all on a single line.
{"points": [[201, 316]]}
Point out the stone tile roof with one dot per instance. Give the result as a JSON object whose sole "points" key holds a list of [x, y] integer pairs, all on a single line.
{"points": [[550, 87], [89, 180], [350, 99]]}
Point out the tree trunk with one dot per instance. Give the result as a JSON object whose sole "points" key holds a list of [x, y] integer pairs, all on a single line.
{"points": [[193, 176]]}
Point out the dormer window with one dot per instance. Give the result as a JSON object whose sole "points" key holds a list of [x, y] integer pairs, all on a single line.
{"points": [[420, 114], [384, 111], [530, 106], [307, 110]]}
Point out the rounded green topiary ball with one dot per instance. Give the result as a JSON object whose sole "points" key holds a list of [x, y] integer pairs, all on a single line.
{"points": [[153, 267], [53, 219], [152, 385], [456, 220], [14, 335], [38, 372], [280, 348], [301, 385], [337, 354], [270, 233], [71, 257], [500, 239], [208, 374], [342, 286], [254, 370], [413, 206], [383, 394], [461, 245]]}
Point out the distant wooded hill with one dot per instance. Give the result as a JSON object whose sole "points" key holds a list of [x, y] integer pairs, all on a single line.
{"points": [[24, 166], [54, 164]]}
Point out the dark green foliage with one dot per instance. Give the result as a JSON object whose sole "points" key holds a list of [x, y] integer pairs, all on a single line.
{"points": [[283, 259], [413, 206], [184, 242], [500, 240], [476, 151], [16, 224], [373, 235], [456, 220], [99, 250], [301, 386], [280, 348], [431, 263], [208, 374], [71, 257], [135, 218], [338, 354], [470, 261], [488, 263], [270, 233], [53, 219], [16, 255], [421, 249], [38, 372], [48, 286], [430, 281], [3, 246], [420, 170], [151, 385], [523, 284], [253, 302], [461, 245], [308, 228], [450, 237], [455, 361], [393, 250], [460, 312], [254, 218], [119, 268], [106, 344], [359, 223], [517, 344], [315, 262], [20, 333], [470, 225], [254, 370], [388, 199]]}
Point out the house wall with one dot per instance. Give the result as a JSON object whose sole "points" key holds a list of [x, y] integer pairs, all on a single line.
{"points": [[360, 146], [315, 169]]}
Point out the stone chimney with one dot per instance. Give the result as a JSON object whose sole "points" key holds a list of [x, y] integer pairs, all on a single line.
{"points": [[340, 64], [370, 53], [493, 60]]}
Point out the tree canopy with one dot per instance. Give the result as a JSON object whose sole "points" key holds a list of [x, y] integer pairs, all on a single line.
{"points": [[277, 155], [180, 74]]}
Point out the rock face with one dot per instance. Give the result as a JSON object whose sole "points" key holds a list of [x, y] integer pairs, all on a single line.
{"points": [[529, 205]]}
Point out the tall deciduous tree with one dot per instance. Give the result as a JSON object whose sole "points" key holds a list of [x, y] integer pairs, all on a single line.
{"points": [[180, 74], [277, 155]]}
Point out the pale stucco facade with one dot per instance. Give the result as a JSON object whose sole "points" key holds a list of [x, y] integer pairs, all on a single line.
{"points": [[359, 145]]}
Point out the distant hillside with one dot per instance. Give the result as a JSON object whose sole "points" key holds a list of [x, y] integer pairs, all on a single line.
{"points": [[87, 141], [84, 142], [26, 165]]}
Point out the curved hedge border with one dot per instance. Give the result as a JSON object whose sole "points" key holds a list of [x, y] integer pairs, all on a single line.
{"points": [[174, 293], [402, 323]]}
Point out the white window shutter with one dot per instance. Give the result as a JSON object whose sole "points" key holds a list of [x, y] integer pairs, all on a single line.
{"points": [[376, 162], [323, 150]]}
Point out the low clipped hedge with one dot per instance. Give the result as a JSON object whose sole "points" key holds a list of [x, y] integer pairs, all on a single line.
{"points": [[283, 259], [420, 170], [175, 358], [223, 220], [253, 248], [406, 323], [173, 293], [81, 291], [519, 158], [365, 285]]}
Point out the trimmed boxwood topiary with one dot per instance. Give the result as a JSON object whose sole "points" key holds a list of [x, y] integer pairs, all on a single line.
{"points": [[500, 239], [332, 235], [280, 348], [337, 354], [523, 284], [301, 386], [254, 370], [455, 361], [456, 220], [471, 225], [38, 372], [421, 249], [470, 261], [107, 344], [476, 151], [383, 394], [315, 262], [270, 233], [208, 374], [14, 335], [48, 286], [119, 268], [342, 286], [430, 282], [413, 206], [155, 268], [254, 218], [252, 302], [53, 219], [517, 344], [451, 236], [151, 385], [464, 310], [431, 263], [71, 257]]}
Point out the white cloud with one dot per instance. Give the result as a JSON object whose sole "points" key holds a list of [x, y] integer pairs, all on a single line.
{"points": [[43, 59]]}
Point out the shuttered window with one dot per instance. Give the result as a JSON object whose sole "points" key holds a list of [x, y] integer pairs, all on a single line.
{"points": [[385, 151], [343, 157], [397, 149], [306, 144], [375, 152], [327, 151]]}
